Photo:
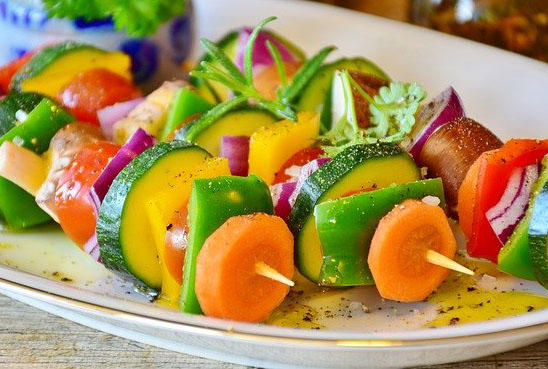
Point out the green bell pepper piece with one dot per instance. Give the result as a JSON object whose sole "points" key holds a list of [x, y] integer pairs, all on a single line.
{"points": [[14, 102], [212, 202], [185, 103], [346, 227], [17, 206], [515, 257], [41, 125], [538, 233]]}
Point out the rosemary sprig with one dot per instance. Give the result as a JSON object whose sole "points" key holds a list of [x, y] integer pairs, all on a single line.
{"points": [[224, 71], [280, 66]]}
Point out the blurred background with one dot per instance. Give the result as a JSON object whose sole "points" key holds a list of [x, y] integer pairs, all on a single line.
{"points": [[520, 26]]}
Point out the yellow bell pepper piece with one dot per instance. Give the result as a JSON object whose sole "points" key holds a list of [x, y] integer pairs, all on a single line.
{"points": [[271, 146], [149, 115], [160, 210], [56, 76], [22, 166]]}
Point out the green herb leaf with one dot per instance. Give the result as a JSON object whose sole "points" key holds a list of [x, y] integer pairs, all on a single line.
{"points": [[393, 111], [138, 18], [221, 58], [392, 115], [248, 53], [277, 57], [304, 75]]}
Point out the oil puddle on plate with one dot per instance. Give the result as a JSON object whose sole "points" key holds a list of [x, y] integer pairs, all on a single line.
{"points": [[460, 299]]}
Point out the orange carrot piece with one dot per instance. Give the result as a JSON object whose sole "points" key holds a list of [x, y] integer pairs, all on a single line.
{"points": [[397, 257], [267, 80], [467, 195], [227, 285]]}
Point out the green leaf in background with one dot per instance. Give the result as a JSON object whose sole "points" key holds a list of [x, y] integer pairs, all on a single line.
{"points": [[138, 18]]}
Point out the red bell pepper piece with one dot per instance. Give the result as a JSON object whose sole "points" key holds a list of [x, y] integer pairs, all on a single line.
{"points": [[8, 71], [300, 158], [73, 203], [494, 173]]}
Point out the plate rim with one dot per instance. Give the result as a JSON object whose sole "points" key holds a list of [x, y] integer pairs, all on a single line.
{"points": [[12, 279], [57, 292]]}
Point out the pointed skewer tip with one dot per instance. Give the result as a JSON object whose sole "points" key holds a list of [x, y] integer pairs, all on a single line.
{"points": [[436, 258], [267, 271]]}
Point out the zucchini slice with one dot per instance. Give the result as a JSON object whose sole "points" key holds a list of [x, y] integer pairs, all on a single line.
{"points": [[316, 96], [207, 133], [357, 168], [538, 232], [49, 70], [126, 237]]}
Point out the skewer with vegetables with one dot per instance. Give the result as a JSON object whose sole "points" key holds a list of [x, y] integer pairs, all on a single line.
{"points": [[208, 194]]}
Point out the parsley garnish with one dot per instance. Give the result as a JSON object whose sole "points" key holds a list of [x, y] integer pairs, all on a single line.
{"points": [[392, 115], [138, 18], [223, 70]]}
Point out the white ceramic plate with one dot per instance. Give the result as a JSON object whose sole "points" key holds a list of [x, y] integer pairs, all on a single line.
{"points": [[504, 91]]}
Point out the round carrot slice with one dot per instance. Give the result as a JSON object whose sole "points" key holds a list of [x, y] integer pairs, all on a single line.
{"points": [[397, 257], [227, 284]]}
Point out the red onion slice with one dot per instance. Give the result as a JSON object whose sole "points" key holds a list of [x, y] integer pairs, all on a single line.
{"points": [[510, 210], [444, 108], [285, 194], [137, 143], [109, 115], [281, 192], [92, 248], [261, 55], [236, 150], [306, 171]]}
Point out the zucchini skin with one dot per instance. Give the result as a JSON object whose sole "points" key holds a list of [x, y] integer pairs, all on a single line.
{"points": [[43, 59], [329, 174], [538, 236], [112, 209]]}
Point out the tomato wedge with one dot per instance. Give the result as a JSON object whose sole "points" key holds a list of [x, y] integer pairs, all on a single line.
{"points": [[93, 90], [73, 204], [175, 244], [494, 172], [300, 158], [8, 71]]}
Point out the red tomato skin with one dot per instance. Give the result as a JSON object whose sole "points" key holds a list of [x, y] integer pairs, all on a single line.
{"points": [[75, 209], [494, 174], [93, 90], [175, 244], [300, 158], [9, 70]]}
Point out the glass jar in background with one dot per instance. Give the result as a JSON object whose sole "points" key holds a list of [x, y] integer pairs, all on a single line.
{"points": [[25, 25], [517, 25]]}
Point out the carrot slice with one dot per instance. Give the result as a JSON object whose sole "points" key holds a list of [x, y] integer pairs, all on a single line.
{"points": [[397, 257], [227, 285], [467, 195]]}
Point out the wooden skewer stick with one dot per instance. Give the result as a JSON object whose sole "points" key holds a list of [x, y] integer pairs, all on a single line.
{"points": [[436, 258], [267, 271]]}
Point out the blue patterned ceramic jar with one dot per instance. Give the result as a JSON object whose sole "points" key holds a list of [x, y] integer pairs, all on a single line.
{"points": [[25, 25]]}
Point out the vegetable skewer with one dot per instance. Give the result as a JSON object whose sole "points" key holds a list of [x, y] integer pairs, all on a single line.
{"points": [[434, 257], [262, 268]]}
